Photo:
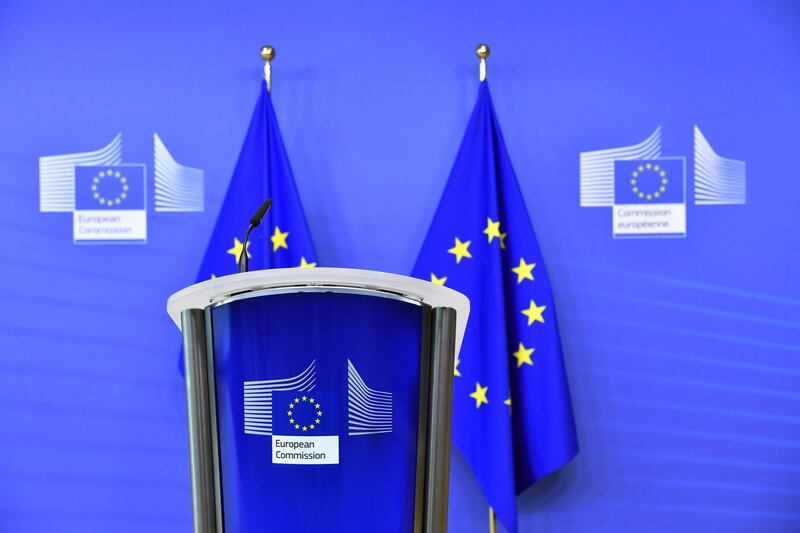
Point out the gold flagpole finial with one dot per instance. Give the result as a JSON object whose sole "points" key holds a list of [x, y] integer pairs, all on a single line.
{"points": [[268, 54], [492, 521], [482, 51]]}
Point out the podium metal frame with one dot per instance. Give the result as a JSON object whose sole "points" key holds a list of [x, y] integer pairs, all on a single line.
{"points": [[437, 354]]}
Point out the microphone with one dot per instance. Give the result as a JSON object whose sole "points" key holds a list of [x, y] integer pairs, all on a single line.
{"points": [[255, 221]]}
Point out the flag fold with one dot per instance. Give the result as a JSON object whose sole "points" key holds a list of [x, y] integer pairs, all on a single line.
{"points": [[262, 171]]}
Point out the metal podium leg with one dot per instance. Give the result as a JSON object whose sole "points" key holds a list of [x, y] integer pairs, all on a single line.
{"points": [[437, 475], [199, 416]]}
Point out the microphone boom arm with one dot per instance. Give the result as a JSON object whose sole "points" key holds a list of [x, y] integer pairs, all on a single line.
{"points": [[255, 221]]}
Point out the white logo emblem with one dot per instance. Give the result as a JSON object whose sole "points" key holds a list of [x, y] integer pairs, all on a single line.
{"points": [[647, 191], [368, 411], [258, 398], [178, 188], [306, 420], [717, 180], [108, 199]]}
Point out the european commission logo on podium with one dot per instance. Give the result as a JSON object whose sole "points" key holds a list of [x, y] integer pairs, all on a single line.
{"points": [[300, 419], [108, 198], [647, 191]]}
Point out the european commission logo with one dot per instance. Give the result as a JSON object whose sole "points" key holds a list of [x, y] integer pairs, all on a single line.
{"points": [[108, 198], [299, 418], [110, 204], [647, 191]]}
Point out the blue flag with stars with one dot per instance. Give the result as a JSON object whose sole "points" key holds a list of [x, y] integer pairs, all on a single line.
{"points": [[512, 413], [262, 171]]}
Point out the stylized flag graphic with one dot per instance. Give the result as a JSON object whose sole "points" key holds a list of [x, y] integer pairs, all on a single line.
{"points": [[512, 413], [178, 188], [717, 180], [369, 411], [57, 174], [258, 398], [597, 168]]}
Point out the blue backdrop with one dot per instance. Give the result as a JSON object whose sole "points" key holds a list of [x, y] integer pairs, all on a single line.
{"points": [[682, 353]]}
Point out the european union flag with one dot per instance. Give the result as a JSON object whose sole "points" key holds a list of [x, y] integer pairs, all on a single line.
{"points": [[649, 181], [512, 413], [311, 413], [262, 171], [109, 188]]}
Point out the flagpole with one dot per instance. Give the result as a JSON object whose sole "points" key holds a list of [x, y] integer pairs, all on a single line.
{"points": [[267, 54], [482, 51]]}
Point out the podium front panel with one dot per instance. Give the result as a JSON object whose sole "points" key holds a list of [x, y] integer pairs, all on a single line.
{"points": [[317, 404]]}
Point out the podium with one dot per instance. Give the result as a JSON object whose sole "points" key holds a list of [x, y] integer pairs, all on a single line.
{"points": [[319, 399]]}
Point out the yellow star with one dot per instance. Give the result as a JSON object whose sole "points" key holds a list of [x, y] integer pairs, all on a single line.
{"points": [[456, 372], [508, 403], [297, 400], [524, 270], [479, 395], [534, 313], [523, 355], [317, 406], [305, 428], [319, 413], [305, 264], [438, 281], [311, 426], [311, 400], [279, 239], [236, 251], [289, 413], [460, 250], [297, 426], [316, 421], [291, 420], [305, 398], [492, 230], [503, 240]]}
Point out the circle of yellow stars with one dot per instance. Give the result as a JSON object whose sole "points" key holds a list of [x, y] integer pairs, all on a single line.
{"points": [[99, 184], [316, 413], [647, 169], [524, 272]]}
